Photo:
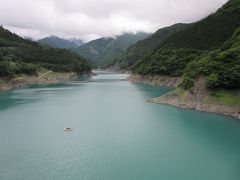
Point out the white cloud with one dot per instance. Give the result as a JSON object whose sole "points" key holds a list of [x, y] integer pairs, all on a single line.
{"points": [[96, 18]]}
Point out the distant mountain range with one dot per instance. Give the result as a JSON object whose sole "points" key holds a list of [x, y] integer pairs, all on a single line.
{"points": [[104, 51], [61, 43]]}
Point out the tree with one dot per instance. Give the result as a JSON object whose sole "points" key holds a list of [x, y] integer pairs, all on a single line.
{"points": [[212, 81], [187, 83]]}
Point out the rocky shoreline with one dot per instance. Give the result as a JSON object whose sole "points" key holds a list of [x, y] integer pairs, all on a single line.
{"points": [[198, 99], [155, 80], [174, 100], [24, 81]]}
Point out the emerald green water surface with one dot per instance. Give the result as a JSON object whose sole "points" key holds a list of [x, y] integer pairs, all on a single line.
{"points": [[117, 135]]}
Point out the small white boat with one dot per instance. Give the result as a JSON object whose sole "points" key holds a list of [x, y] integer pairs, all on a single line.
{"points": [[68, 129]]}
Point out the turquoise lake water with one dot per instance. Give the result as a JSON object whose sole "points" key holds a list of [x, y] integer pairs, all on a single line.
{"points": [[117, 135]]}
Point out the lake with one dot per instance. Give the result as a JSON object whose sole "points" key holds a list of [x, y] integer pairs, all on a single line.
{"points": [[117, 135]]}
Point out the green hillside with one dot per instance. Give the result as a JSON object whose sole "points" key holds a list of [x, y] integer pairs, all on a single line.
{"points": [[21, 56], [221, 67], [211, 32], [138, 50], [198, 42], [104, 51]]}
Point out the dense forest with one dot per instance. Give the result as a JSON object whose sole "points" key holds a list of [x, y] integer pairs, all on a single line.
{"points": [[221, 66], [138, 50], [209, 48], [21, 56]]}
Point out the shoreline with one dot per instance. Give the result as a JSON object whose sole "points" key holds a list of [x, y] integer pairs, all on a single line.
{"points": [[197, 99], [169, 99], [23, 81], [156, 80]]}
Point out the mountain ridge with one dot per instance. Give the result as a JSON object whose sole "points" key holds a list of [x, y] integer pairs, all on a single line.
{"points": [[132, 54], [103, 51], [57, 42]]}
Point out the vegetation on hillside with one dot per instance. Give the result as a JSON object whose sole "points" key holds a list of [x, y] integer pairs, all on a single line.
{"points": [[208, 48], [209, 33], [221, 66], [166, 61], [138, 50], [21, 56]]}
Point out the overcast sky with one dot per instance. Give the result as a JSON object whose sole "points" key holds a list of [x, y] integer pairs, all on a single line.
{"points": [[90, 19]]}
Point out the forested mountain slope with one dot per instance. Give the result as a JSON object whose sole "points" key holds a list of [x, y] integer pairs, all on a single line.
{"points": [[205, 41], [21, 56], [221, 66], [104, 51], [138, 50]]}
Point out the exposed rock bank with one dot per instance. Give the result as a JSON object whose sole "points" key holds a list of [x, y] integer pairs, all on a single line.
{"points": [[24, 81], [199, 98], [156, 80]]}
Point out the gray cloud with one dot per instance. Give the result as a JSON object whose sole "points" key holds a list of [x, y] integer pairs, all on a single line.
{"points": [[89, 19]]}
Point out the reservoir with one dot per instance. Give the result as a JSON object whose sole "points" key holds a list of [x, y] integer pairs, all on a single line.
{"points": [[117, 134]]}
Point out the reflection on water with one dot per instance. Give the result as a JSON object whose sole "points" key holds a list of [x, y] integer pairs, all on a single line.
{"points": [[10, 99], [151, 91]]}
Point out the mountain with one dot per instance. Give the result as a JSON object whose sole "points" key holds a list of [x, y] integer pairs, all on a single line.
{"points": [[57, 42], [22, 56], [76, 41], [103, 51], [138, 50], [200, 42]]}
